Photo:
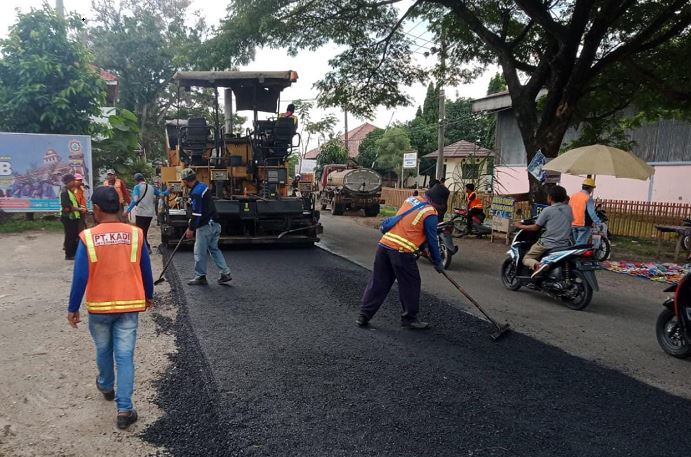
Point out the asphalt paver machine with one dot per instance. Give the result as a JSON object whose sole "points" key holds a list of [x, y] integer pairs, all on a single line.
{"points": [[247, 172]]}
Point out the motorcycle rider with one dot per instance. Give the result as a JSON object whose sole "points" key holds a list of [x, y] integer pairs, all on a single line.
{"points": [[556, 219], [475, 206]]}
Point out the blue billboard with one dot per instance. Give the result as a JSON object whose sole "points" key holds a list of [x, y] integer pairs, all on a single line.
{"points": [[32, 166]]}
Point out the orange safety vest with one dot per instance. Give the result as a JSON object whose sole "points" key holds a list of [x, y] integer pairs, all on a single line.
{"points": [[118, 189], [409, 234], [115, 279], [474, 201], [81, 196], [578, 203]]}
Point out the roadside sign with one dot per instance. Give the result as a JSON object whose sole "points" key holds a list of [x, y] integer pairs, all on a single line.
{"points": [[537, 209], [410, 160], [502, 213], [535, 166]]}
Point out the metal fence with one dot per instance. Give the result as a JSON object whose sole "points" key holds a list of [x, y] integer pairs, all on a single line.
{"points": [[626, 218]]}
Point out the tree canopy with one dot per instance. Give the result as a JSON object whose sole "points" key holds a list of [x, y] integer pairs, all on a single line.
{"points": [[566, 47], [331, 152], [48, 83]]}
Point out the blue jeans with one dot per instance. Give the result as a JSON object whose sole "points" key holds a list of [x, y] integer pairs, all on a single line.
{"points": [[206, 242], [581, 235], [115, 336]]}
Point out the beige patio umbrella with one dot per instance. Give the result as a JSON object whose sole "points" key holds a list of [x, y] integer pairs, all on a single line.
{"points": [[598, 159]]}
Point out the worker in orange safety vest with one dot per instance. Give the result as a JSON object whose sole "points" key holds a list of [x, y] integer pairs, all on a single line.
{"points": [[414, 225], [584, 214], [124, 195], [114, 273]]}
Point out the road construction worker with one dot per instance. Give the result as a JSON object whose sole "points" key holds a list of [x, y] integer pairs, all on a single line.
{"points": [[556, 221], [205, 231], [584, 214], [475, 206], [396, 258], [290, 113], [143, 199], [113, 181], [115, 273], [80, 192], [70, 215]]}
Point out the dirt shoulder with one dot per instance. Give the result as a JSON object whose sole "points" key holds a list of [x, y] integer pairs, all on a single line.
{"points": [[49, 405]]}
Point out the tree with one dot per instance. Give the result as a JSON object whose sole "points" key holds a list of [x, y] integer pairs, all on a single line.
{"points": [[145, 43], [321, 128], [561, 46], [496, 84], [118, 147], [47, 81], [391, 147], [331, 152], [368, 152]]}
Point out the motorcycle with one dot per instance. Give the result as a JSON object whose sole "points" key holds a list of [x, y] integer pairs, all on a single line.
{"points": [[686, 242], [446, 246], [460, 223], [673, 326], [600, 237], [570, 275]]}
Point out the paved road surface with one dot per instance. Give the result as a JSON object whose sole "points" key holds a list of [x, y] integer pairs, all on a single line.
{"points": [[275, 366], [617, 330]]}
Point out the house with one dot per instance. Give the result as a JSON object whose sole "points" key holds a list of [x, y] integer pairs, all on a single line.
{"points": [[466, 162], [665, 144], [112, 93], [355, 137]]}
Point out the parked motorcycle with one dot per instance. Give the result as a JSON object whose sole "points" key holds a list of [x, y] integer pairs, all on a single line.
{"points": [[686, 242], [460, 223], [446, 247], [570, 276], [600, 237], [673, 327]]}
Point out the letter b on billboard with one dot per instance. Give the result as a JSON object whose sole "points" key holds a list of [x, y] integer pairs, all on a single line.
{"points": [[5, 168]]}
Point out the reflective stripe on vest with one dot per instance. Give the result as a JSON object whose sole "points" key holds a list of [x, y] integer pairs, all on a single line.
{"points": [[115, 282], [408, 235]]}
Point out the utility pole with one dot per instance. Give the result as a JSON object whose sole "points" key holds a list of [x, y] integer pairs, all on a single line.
{"points": [[60, 8], [345, 137], [442, 109]]}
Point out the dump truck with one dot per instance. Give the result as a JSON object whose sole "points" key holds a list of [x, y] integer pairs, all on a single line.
{"points": [[350, 188], [246, 172]]}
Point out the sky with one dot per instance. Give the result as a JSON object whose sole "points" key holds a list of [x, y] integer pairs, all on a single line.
{"points": [[310, 66]]}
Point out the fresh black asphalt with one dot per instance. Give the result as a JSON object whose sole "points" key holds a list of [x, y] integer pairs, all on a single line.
{"points": [[274, 366]]}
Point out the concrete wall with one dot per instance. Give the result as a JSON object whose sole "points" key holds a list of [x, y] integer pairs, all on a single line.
{"points": [[671, 183]]}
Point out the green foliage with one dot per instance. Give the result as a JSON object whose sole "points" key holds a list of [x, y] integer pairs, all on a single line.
{"points": [[331, 152], [391, 147], [119, 147], [17, 223], [145, 43], [368, 152], [496, 84], [47, 81]]}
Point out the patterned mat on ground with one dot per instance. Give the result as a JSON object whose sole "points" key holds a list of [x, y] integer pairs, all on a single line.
{"points": [[660, 272]]}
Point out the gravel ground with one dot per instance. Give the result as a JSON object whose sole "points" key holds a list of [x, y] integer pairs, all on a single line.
{"points": [[274, 365]]}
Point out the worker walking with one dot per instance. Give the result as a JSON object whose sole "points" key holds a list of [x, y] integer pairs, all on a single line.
{"points": [[70, 215], [415, 225], [204, 230], [115, 273], [584, 214], [143, 199]]}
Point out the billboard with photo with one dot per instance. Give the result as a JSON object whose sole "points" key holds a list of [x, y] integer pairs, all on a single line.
{"points": [[32, 167]]}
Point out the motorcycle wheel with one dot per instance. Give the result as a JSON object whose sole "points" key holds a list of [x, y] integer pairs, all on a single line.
{"points": [[584, 292], [686, 242], [446, 256], [460, 227], [604, 251], [669, 335], [508, 275]]}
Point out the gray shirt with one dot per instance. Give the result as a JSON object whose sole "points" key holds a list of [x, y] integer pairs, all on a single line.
{"points": [[556, 220]]}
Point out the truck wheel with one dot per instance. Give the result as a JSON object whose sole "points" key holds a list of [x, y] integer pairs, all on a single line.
{"points": [[372, 211]]}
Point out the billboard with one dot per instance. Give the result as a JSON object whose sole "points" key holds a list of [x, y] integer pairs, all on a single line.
{"points": [[32, 166]]}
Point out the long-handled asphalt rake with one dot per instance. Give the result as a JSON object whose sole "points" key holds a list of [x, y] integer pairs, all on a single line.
{"points": [[499, 330], [170, 259]]}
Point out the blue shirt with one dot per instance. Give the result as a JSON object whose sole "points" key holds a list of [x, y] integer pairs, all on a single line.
{"points": [[135, 195], [80, 277], [203, 209], [590, 208]]}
